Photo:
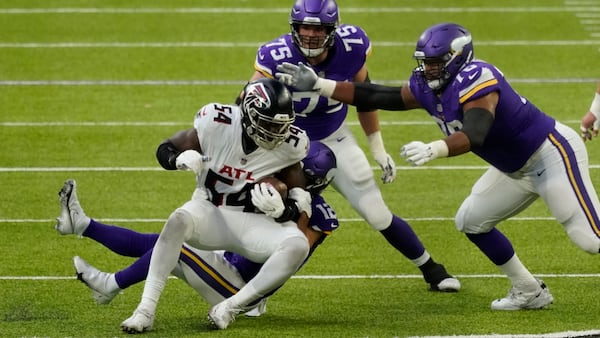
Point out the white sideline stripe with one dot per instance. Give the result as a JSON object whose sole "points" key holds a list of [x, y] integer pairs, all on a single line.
{"points": [[162, 220], [160, 124], [331, 277], [232, 82], [565, 334], [227, 44], [102, 169], [243, 10]]}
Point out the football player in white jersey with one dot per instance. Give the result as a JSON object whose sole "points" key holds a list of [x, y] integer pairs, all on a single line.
{"points": [[590, 122], [339, 52], [228, 149], [215, 275]]}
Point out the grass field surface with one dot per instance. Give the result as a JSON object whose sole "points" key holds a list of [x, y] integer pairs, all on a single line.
{"points": [[88, 89]]}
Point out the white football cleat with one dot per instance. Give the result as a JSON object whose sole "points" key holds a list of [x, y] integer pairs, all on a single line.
{"points": [[139, 322], [222, 314], [72, 219], [258, 310], [518, 300], [440, 280], [450, 284], [103, 285]]}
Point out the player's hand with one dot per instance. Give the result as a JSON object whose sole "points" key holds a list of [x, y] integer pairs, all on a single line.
{"points": [[299, 76], [303, 200], [388, 166], [191, 160], [267, 199], [417, 153], [589, 126]]}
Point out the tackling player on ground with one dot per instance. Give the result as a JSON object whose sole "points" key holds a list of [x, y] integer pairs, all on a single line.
{"points": [[215, 275]]}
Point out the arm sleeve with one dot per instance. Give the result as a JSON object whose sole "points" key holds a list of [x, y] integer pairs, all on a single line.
{"points": [[476, 125], [369, 96]]}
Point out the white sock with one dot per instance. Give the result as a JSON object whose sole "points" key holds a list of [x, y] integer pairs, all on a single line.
{"points": [[519, 276]]}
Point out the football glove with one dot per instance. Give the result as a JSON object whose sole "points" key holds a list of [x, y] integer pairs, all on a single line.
{"points": [[418, 153], [303, 200], [191, 160], [388, 166], [382, 158], [267, 199], [299, 76]]}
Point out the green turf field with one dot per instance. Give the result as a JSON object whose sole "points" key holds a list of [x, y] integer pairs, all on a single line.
{"points": [[88, 89]]}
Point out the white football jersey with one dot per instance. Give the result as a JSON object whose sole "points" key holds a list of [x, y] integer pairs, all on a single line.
{"points": [[229, 175]]}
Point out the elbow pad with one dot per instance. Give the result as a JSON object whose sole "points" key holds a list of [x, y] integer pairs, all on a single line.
{"points": [[477, 123], [369, 96], [166, 154]]}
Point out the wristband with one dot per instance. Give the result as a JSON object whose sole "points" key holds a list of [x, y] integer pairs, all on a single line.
{"points": [[376, 143], [325, 87], [439, 148]]}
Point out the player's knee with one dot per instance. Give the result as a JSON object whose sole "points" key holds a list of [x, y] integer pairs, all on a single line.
{"points": [[296, 246], [179, 221], [585, 241], [376, 213], [466, 222]]}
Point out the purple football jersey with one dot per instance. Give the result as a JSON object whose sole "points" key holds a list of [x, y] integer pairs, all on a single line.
{"points": [[323, 219], [519, 126], [317, 115]]}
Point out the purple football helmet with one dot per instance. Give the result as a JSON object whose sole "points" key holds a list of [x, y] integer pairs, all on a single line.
{"points": [[319, 167], [442, 51], [316, 13], [267, 112]]}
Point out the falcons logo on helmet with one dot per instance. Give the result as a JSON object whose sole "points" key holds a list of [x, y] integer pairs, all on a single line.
{"points": [[256, 97]]}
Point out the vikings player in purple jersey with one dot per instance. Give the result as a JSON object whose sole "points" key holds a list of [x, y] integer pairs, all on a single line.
{"points": [[590, 122], [531, 154], [339, 52], [215, 275]]}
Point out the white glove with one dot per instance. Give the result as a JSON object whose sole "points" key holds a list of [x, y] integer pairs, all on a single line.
{"points": [[303, 200], [191, 160], [388, 166], [299, 76], [304, 78], [418, 153], [382, 158], [267, 199]]}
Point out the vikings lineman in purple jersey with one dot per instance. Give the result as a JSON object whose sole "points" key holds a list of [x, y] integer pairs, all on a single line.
{"points": [[532, 155], [339, 52], [215, 275]]}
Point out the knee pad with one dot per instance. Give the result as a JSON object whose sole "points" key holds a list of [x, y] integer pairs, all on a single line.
{"points": [[181, 221], [374, 210]]}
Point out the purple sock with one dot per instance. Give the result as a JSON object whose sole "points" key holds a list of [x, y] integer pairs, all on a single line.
{"points": [[134, 273], [402, 237], [494, 245], [122, 241]]}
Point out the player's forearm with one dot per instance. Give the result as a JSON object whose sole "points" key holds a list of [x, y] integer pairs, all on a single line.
{"points": [[363, 94]]}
